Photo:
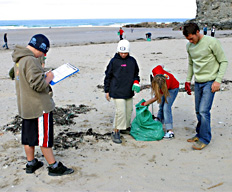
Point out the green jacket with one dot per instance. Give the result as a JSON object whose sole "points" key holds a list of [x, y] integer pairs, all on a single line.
{"points": [[207, 60], [33, 92]]}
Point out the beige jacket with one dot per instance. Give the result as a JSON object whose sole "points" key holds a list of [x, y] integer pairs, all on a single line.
{"points": [[32, 90]]}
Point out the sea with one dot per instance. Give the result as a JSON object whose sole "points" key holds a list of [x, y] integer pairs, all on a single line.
{"points": [[22, 24]]}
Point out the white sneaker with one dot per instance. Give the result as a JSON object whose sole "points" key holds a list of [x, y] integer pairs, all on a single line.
{"points": [[169, 135]]}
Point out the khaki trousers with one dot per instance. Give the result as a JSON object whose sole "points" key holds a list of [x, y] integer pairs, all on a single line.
{"points": [[123, 112]]}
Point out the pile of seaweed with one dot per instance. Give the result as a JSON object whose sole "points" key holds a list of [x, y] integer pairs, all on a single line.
{"points": [[225, 81], [64, 116], [66, 139], [61, 116]]}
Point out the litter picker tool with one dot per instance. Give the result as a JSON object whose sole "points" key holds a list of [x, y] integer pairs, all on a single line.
{"points": [[152, 109]]}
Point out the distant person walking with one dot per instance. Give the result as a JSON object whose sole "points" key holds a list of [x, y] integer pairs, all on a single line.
{"points": [[5, 41], [213, 31], [132, 29], [120, 33], [205, 30]]}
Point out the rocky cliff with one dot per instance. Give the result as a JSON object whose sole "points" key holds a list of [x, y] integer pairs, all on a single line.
{"points": [[214, 12], [210, 12]]}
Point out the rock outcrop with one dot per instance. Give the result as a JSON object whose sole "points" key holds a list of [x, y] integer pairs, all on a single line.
{"points": [[210, 12], [214, 12], [153, 25]]}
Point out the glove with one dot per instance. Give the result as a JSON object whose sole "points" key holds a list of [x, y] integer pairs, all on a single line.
{"points": [[136, 86], [188, 88], [143, 103]]}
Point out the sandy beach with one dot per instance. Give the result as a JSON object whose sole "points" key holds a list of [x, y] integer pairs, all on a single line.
{"points": [[101, 165]]}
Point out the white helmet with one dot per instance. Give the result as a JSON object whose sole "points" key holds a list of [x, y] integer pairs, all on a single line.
{"points": [[123, 46]]}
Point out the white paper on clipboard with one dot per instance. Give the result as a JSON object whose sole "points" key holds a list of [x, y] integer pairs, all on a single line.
{"points": [[63, 72]]}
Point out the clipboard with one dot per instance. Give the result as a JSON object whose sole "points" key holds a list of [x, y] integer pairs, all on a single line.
{"points": [[63, 72]]}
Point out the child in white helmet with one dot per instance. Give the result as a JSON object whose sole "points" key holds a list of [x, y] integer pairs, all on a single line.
{"points": [[121, 80]]}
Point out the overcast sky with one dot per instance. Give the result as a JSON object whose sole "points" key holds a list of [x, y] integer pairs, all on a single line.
{"points": [[94, 9]]}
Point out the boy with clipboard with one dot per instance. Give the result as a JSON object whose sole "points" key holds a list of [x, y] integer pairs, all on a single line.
{"points": [[35, 105]]}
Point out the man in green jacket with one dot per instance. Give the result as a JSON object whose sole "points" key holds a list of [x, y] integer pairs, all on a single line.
{"points": [[35, 104], [207, 63]]}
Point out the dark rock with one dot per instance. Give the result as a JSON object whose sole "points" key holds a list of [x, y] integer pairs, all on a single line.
{"points": [[210, 12], [165, 37], [153, 25], [217, 13]]}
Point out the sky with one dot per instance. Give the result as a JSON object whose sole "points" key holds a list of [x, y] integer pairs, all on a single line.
{"points": [[96, 9]]}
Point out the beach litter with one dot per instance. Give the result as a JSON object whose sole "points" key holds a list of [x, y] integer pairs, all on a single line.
{"points": [[219, 184]]}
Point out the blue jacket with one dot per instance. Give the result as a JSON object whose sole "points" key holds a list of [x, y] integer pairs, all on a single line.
{"points": [[120, 76]]}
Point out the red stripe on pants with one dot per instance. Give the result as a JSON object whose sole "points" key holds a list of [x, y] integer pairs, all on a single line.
{"points": [[46, 127]]}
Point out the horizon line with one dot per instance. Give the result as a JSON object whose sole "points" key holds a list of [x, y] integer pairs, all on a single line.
{"points": [[92, 19]]}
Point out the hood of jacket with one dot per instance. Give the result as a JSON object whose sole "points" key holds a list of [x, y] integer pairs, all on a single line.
{"points": [[20, 52], [158, 70], [171, 81], [117, 56]]}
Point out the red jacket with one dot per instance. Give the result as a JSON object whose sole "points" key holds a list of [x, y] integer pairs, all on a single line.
{"points": [[121, 31], [171, 81]]}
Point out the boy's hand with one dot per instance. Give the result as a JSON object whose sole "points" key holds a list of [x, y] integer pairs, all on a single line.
{"points": [[49, 76], [136, 86], [188, 88], [107, 96]]}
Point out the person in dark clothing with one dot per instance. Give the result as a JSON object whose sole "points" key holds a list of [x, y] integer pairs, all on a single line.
{"points": [[5, 41], [148, 35], [121, 80], [205, 30], [213, 31]]}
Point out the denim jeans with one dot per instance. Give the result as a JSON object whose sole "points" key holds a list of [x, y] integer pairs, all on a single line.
{"points": [[203, 103], [5, 45], [165, 109]]}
